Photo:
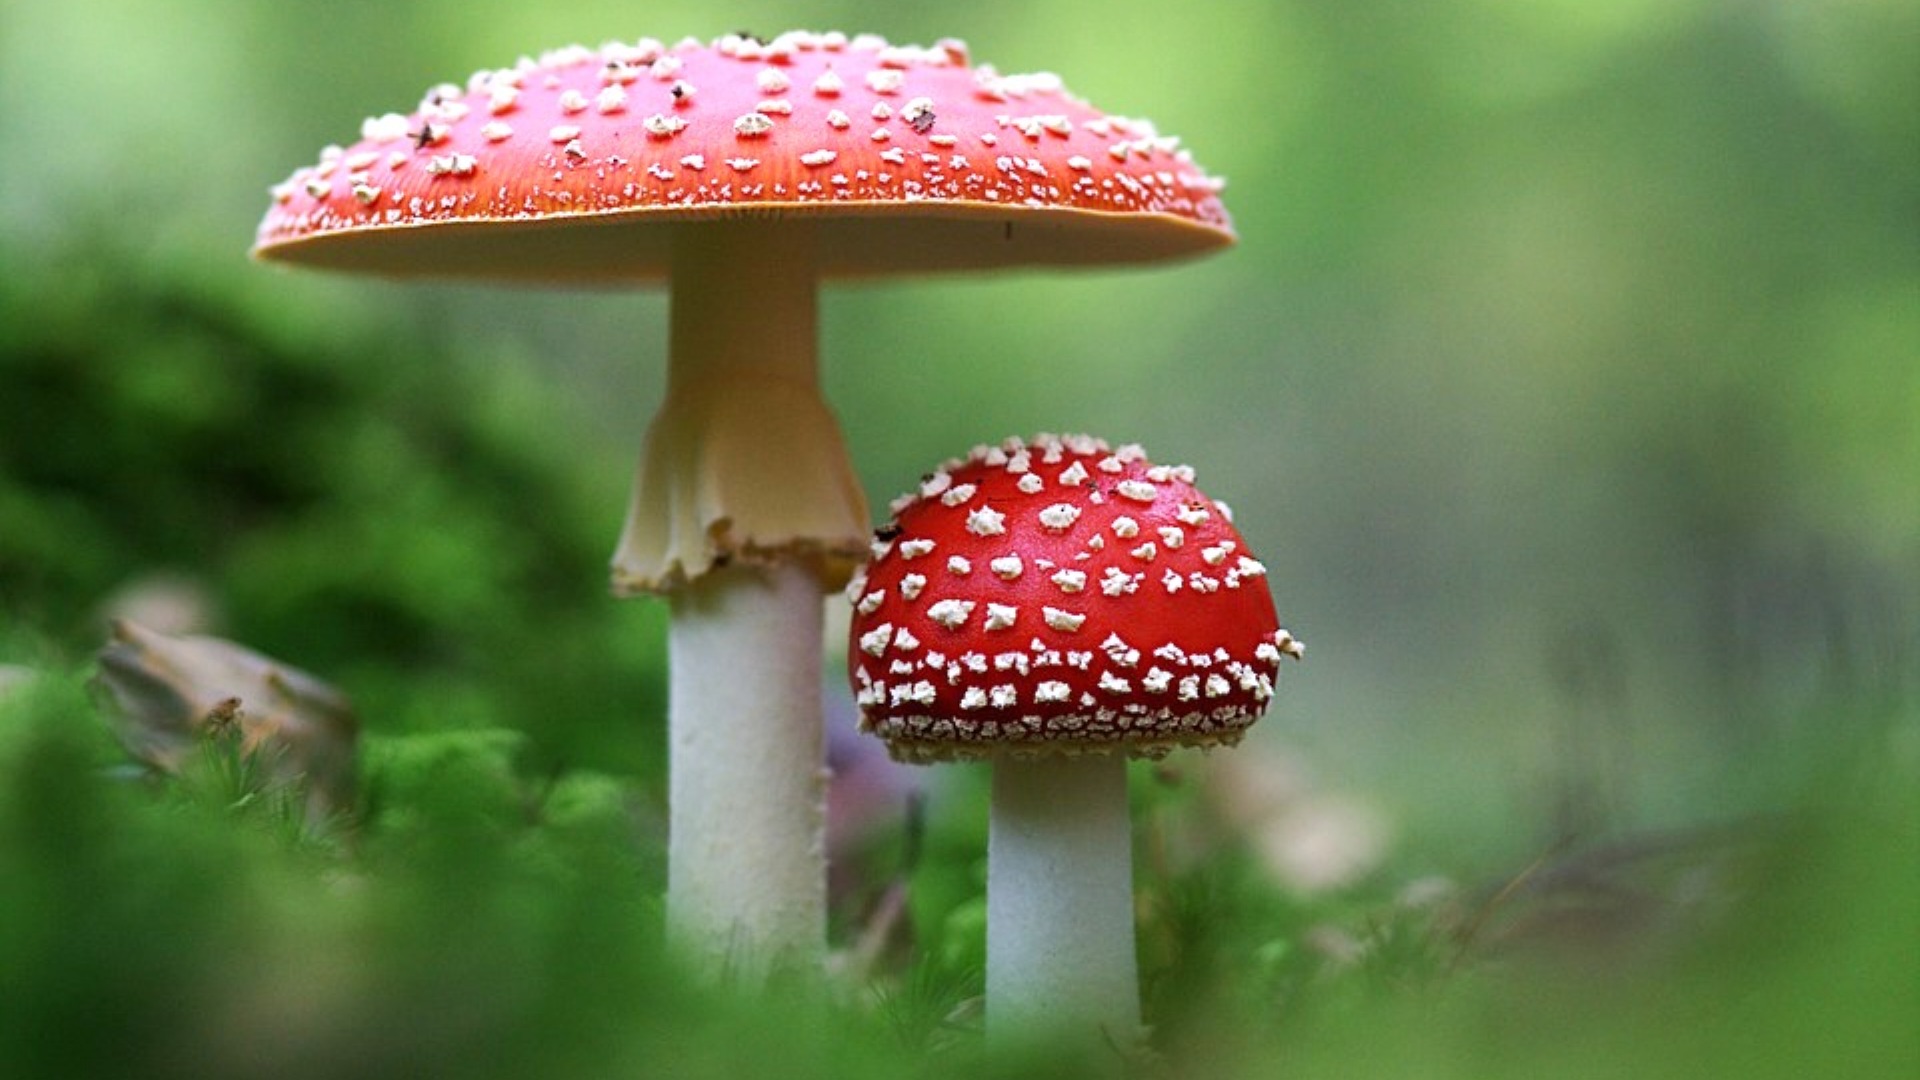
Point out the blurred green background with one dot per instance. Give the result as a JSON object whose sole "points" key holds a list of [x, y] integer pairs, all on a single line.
{"points": [[1567, 377]]}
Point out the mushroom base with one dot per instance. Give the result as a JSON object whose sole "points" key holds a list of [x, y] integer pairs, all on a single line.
{"points": [[1061, 967], [746, 875]]}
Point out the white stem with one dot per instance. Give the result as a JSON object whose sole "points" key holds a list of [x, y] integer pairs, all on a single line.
{"points": [[745, 510], [1060, 952], [746, 863]]}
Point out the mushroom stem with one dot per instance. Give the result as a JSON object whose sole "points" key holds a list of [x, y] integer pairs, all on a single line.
{"points": [[746, 862], [744, 461], [744, 512], [1060, 949]]}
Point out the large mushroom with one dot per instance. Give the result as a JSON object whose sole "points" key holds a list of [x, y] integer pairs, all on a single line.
{"points": [[744, 172], [1057, 607]]}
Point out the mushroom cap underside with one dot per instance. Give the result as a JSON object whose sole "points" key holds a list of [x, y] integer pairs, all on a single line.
{"points": [[854, 241]]}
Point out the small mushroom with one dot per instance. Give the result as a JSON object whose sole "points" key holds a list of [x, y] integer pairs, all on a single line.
{"points": [[1123, 617], [744, 172]]}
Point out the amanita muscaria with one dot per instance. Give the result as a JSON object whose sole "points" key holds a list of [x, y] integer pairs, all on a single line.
{"points": [[1056, 607], [743, 172]]}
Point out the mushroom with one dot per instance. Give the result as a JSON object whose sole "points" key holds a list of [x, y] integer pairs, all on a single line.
{"points": [[1056, 607], [744, 172]]}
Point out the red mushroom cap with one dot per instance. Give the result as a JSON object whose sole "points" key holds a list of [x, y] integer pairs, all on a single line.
{"points": [[482, 180], [1061, 596]]}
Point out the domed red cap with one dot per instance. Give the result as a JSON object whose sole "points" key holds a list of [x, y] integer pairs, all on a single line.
{"points": [[1061, 596], [495, 177]]}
